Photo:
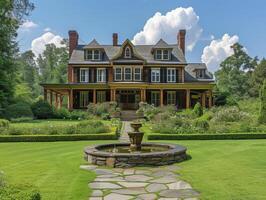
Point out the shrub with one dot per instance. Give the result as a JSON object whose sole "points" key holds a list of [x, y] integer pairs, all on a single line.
{"points": [[148, 111], [262, 115], [4, 123], [104, 110], [92, 127], [197, 110], [202, 123], [42, 109], [62, 113], [18, 110], [19, 192], [79, 115], [22, 119], [230, 114]]}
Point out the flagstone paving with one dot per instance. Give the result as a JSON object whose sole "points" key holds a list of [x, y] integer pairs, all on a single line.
{"points": [[145, 183]]}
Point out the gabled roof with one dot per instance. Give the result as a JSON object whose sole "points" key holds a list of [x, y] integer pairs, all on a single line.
{"points": [[161, 44], [134, 53], [93, 45], [190, 72]]}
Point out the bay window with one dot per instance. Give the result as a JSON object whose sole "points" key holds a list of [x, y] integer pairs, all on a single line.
{"points": [[155, 75]]}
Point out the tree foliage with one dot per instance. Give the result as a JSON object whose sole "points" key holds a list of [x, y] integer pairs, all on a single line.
{"points": [[11, 15], [262, 116]]}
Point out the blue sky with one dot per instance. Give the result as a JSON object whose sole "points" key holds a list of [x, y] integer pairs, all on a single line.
{"points": [[99, 19]]}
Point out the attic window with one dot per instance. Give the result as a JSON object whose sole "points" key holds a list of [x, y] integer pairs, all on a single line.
{"points": [[127, 52], [200, 73], [92, 54], [162, 54]]}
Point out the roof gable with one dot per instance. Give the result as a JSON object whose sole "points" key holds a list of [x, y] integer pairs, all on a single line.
{"points": [[93, 45]]}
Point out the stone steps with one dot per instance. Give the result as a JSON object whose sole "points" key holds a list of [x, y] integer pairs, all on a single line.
{"points": [[128, 115]]}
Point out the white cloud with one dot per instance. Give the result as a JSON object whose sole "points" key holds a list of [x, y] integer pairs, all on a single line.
{"points": [[167, 26], [27, 25], [47, 29], [218, 50], [38, 44]]}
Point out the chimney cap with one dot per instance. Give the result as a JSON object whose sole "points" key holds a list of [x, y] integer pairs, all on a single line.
{"points": [[182, 31], [72, 32]]}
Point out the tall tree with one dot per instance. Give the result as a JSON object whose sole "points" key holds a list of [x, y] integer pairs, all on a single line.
{"points": [[11, 15], [53, 63], [262, 116], [258, 76], [235, 72]]}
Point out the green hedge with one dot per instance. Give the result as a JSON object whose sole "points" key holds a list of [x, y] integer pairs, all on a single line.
{"points": [[242, 136], [54, 138]]}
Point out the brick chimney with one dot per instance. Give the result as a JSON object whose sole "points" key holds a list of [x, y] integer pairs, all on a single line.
{"points": [[181, 40], [115, 39], [73, 41]]}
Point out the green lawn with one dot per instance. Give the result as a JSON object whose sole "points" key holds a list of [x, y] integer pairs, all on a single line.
{"points": [[220, 170]]}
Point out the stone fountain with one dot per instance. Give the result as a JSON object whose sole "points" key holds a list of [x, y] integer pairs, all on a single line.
{"points": [[135, 153]]}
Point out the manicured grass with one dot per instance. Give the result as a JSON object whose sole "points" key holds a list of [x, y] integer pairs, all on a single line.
{"points": [[226, 170], [220, 170], [52, 167]]}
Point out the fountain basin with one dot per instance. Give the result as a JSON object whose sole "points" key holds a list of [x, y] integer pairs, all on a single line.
{"points": [[120, 155]]}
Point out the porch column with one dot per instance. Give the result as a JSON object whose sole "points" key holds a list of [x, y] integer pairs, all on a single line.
{"points": [[70, 99], [114, 94], [94, 96], [144, 95], [210, 98], [45, 94], [161, 97], [51, 98], [187, 98], [141, 95], [56, 100], [203, 99]]}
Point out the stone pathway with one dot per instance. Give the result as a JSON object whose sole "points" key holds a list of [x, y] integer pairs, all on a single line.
{"points": [[143, 183], [124, 130]]}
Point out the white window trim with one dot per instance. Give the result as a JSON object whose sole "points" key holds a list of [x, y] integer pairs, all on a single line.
{"points": [[128, 56], [156, 81], [86, 73], [103, 77], [130, 73], [140, 73], [169, 77], [93, 54], [121, 73], [162, 54]]}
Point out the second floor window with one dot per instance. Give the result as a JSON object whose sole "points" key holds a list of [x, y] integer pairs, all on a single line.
{"points": [[171, 75], [101, 75], [155, 75], [118, 74], [137, 74], [162, 54], [92, 54], [127, 74], [84, 75]]}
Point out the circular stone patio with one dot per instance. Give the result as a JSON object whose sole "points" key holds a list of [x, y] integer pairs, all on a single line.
{"points": [[145, 183]]}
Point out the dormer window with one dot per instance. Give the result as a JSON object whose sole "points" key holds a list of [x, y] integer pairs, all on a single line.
{"points": [[92, 54], [162, 54], [200, 73], [127, 52]]}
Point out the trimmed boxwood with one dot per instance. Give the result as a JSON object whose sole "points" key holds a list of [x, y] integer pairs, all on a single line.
{"points": [[54, 138], [240, 136]]}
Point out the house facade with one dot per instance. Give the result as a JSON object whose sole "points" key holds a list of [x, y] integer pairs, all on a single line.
{"points": [[128, 74]]}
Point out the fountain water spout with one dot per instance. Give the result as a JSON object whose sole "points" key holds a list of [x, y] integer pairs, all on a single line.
{"points": [[135, 136]]}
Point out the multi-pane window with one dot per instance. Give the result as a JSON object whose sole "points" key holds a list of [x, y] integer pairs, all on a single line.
{"points": [[171, 97], [137, 74], [84, 75], [83, 99], [155, 98], [155, 75], [101, 75], [200, 73], [171, 75], [162, 54], [118, 74], [127, 52], [127, 74], [92, 54], [101, 96]]}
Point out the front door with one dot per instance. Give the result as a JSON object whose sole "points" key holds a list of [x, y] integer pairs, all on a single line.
{"points": [[128, 99]]}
